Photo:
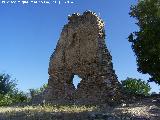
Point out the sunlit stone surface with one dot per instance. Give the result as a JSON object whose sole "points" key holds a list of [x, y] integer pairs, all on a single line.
{"points": [[81, 51]]}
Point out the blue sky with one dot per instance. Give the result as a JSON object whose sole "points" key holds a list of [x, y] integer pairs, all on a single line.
{"points": [[29, 33]]}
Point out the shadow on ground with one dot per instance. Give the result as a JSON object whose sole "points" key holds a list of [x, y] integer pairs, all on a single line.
{"points": [[144, 109]]}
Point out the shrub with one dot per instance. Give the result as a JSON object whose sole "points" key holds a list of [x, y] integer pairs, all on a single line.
{"points": [[5, 100], [136, 86]]}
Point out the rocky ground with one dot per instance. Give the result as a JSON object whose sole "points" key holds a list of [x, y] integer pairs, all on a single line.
{"points": [[142, 109]]}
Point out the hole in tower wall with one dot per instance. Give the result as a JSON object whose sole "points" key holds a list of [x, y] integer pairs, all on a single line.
{"points": [[76, 80]]}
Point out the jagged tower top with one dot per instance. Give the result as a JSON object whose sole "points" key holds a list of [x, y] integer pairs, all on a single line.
{"points": [[86, 15]]}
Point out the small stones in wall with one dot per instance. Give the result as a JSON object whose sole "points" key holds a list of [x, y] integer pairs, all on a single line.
{"points": [[81, 50]]}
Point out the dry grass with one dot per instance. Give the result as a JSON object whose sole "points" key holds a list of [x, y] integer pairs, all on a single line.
{"points": [[147, 110], [46, 111], [48, 108]]}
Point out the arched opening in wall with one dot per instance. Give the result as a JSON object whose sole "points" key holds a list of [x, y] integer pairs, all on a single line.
{"points": [[76, 80]]}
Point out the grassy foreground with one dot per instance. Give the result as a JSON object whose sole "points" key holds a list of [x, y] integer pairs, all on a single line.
{"points": [[46, 108], [46, 112], [147, 109]]}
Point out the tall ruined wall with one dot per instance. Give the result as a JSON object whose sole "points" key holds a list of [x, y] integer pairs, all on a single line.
{"points": [[81, 50]]}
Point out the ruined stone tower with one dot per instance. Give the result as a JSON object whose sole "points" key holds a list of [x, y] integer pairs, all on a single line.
{"points": [[81, 50]]}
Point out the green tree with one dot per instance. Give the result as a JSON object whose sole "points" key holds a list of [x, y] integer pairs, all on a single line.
{"points": [[19, 96], [43, 87], [146, 41], [9, 94], [136, 86], [34, 92], [7, 84]]}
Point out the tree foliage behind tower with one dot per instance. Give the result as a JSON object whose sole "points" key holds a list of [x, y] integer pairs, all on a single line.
{"points": [[136, 86]]}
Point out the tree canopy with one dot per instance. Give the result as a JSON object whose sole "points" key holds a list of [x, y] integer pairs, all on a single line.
{"points": [[146, 41], [7, 84], [9, 94]]}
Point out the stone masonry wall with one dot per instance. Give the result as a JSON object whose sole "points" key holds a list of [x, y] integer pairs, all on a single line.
{"points": [[81, 50]]}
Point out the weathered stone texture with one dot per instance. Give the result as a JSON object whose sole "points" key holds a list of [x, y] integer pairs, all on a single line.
{"points": [[81, 50]]}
